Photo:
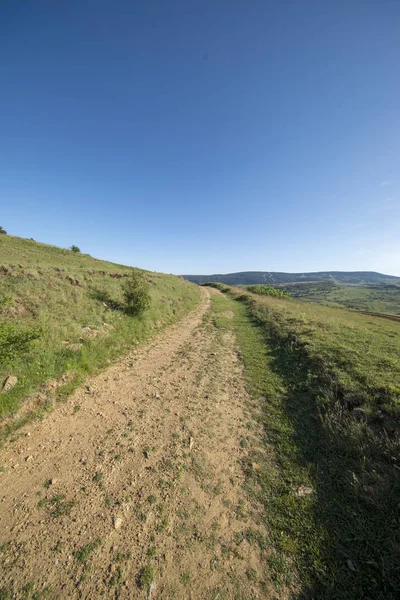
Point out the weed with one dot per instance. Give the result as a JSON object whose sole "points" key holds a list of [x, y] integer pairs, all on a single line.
{"points": [[57, 505], [58, 548], [251, 574], [116, 578], [122, 557], [152, 499], [146, 577], [82, 555], [162, 525], [97, 477], [185, 578]]}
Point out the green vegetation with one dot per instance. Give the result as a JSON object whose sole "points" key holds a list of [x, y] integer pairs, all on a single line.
{"points": [[328, 477], [63, 315], [136, 293], [82, 555], [146, 577], [2, 231], [265, 290], [383, 298], [57, 505], [75, 248]]}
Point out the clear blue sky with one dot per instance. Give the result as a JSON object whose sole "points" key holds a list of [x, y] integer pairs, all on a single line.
{"points": [[194, 136]]}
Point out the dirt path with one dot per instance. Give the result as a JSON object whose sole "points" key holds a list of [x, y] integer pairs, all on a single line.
{"points": [[136, 480]]}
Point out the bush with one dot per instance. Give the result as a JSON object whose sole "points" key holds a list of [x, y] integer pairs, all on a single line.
{"points": [[136, 293], [2, 231], [75, 248], [264, 290]]}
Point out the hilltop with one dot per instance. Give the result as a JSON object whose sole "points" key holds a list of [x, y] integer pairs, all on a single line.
{"points": [[275, 277]]}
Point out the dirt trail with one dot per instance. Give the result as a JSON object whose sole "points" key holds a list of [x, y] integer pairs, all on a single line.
{"points": [[140, 468]]}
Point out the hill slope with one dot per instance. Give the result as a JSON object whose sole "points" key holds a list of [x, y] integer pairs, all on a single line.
{"points": [[62, 316], [271, 277]]}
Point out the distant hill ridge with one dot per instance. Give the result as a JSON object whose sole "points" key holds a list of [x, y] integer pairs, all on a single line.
{"points": [[275, 277]]}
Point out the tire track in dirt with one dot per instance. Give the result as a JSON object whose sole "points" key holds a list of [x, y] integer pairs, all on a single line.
{"points": [[140, 469]]}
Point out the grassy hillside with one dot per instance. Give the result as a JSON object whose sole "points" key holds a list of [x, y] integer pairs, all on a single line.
{"points": [[329, 475], [62, 315], [274, 278]]}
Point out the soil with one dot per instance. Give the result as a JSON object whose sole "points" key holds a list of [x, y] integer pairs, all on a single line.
{"points": [[139, 469]]}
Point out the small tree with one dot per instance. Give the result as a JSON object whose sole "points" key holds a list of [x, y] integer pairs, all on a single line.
{"points": [[2, 231], [75, 248], [136, 293]]}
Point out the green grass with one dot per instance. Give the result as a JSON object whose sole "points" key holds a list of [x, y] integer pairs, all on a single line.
{"points": [[48, 296], [82, 555], [146, 577], [328, 381], [57, 505]]}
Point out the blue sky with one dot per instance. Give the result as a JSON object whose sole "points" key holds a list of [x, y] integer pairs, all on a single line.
{"points": [[199, 137]]}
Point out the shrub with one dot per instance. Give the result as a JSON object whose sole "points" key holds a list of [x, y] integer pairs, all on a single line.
{"points": [[146, 577], [264, 290], [75, 248], [218, 286], [2, 231], [136, 293]]}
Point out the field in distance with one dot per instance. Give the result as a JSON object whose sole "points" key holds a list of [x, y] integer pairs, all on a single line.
{"points": [[360, 290]]}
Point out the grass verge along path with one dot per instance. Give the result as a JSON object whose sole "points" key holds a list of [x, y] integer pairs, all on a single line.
{"points": [[328, 474]]}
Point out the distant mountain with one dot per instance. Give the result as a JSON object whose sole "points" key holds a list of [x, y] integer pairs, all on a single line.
{"points": [[273, 278]]}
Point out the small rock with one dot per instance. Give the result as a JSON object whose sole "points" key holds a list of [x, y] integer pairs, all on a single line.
{"points": [[117, 522], [303, 490], [9, 383], [351, 566], [29, 458], [191, 442], [74, 347], [255, 466]]}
